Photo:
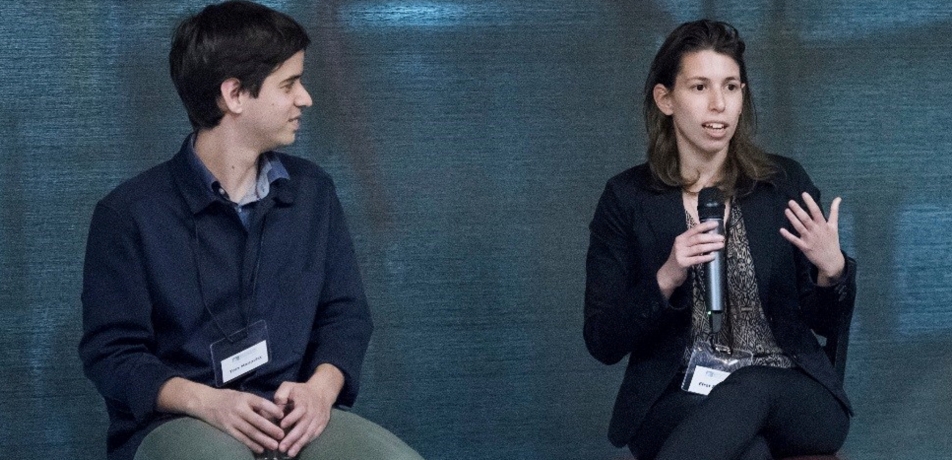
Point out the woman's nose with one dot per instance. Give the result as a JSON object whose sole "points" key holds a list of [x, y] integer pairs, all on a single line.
{"points": [[717, 100]]}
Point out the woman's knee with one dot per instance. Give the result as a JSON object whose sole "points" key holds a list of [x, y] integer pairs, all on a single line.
{"points": [[750, 383]]}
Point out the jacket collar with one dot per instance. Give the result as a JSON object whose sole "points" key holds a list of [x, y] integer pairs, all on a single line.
{"points": [[193, 179], [664, 211], [667, 207]]}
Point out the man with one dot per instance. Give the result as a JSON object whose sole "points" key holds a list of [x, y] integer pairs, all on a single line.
{"points": [[223, 310]]}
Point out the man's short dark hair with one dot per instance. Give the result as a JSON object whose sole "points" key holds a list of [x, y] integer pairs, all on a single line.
{"points": [[234, 39]]}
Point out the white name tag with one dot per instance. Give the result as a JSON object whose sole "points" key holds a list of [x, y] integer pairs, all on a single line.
{"points": [[705, 379], [244, 361]]}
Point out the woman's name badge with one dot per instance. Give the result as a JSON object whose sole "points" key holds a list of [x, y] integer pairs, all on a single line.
{"points": [[709, 366], [239, 356], [704, 379]]}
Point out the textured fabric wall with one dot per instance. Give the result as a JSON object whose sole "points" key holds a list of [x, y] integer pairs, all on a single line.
{"points": [[470, 141]]}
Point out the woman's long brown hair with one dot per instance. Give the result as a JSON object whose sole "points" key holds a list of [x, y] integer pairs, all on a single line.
{"points": [[746, 162]]}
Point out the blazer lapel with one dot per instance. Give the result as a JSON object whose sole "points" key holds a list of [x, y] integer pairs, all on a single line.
{"points": [[667, 221]]}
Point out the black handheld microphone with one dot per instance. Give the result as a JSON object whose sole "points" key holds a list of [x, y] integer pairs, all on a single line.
{"points": [[710, 207]]}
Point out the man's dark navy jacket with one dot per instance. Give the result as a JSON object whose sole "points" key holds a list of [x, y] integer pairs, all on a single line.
{"points": [[170, 267]]}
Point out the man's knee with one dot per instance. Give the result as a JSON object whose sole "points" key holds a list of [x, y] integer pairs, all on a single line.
{"points": [[350, 436], [192, 439]]}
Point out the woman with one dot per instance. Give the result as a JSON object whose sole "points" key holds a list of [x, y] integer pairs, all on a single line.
{"points": [[786, 274]]}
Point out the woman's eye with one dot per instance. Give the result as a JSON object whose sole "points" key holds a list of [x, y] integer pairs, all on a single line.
{"points": [[733, 87], [698, 87]]}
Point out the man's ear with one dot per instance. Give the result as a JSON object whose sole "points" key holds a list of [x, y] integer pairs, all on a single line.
{"points": [[662, 99], [231, 97]]}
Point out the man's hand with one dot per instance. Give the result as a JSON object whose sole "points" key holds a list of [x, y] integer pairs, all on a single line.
{"points": [[311, 402], [244, 416], [817, 237]]}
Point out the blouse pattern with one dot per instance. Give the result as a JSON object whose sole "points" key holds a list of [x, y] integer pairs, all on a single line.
{"points": [[745, 326]]}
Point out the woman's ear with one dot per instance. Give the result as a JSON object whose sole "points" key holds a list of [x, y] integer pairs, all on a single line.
{"points": [[662, 99], [231, 97]]}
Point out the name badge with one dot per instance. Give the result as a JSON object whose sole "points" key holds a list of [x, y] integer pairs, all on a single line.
{"points": [[704, 379], [247, 351], [710, 366]]}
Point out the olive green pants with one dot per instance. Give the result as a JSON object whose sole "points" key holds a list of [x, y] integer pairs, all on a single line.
{"points": [[347, 437]]}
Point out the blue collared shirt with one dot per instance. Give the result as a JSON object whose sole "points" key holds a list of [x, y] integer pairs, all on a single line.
{"points": [[270, 169]]}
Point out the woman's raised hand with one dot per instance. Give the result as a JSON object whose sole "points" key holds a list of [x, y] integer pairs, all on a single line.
{"points": [[817, 237]]}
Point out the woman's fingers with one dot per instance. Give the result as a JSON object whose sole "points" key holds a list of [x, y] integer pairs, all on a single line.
{"points": [[797, 215], [795, 221], [816, 214], [698, 249], [793, 239], [834, 219]]}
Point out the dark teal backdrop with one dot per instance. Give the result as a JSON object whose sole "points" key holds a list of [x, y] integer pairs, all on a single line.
{"points": [[470, 141]]}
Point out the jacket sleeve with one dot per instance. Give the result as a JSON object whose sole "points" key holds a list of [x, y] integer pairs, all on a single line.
{"points": [[624, 307], [343, 325], [827, 309], [118, 342]]}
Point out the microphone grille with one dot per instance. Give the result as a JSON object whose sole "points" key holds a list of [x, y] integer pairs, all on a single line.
{"points": [[710, 203]]}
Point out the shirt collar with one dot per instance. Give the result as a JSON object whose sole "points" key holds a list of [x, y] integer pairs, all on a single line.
{"points": [[270, 169]]}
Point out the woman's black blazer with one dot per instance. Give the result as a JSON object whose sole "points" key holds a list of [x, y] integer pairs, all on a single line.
{"points": [[632, 233]]}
